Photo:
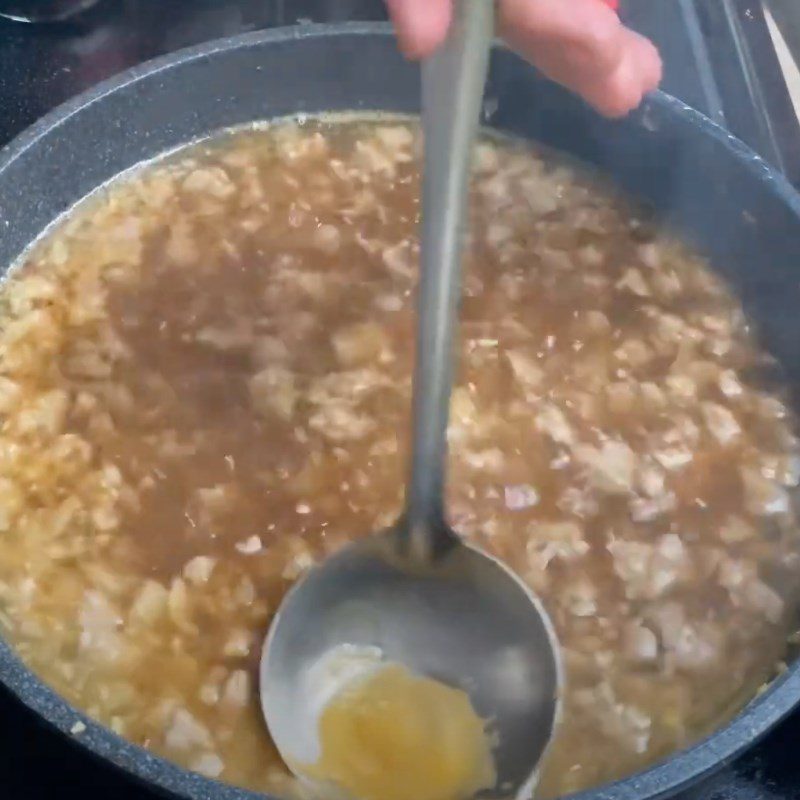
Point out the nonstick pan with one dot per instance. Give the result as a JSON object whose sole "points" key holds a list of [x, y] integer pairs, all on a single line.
{"points": [[698, 179]]}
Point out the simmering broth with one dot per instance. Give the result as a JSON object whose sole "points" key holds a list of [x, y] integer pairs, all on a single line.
{"points": [[205, 388]]}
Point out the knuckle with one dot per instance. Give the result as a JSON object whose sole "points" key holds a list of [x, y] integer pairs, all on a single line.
{"points": [[603, 43]]}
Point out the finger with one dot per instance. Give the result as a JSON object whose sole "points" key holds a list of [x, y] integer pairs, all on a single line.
{"points": [[588, 31], [620, 92], [584, 46], [649, 62], [421, 25]]}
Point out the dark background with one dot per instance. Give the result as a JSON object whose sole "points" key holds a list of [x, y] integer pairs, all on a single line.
{"points": [[719, 59]]}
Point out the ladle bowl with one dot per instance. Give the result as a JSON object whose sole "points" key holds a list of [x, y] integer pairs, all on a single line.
{"points": [[463, 618]]}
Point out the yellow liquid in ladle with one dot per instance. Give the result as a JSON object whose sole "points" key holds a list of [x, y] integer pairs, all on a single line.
{"points": [[394, 735]]}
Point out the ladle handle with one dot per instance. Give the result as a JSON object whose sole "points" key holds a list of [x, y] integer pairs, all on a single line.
{"points": [[453, 81]]}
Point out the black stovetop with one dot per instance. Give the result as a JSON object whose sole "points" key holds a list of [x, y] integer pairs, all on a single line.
{"points": [[719, 59]]}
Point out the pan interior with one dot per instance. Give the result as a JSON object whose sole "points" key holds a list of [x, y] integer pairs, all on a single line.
{"points": [[206, 386]]}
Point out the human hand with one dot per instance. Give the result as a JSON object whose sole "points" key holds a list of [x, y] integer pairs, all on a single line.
{"points": [[581, 44]]}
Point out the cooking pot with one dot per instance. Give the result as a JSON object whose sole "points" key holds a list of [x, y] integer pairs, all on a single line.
{"points": [[696, 178]]}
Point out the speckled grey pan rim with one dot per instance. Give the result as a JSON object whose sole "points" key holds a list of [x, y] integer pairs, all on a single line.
{"points": [[193, 92]]}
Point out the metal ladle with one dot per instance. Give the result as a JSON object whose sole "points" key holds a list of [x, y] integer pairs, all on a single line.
{"points": [[417, 592]]}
